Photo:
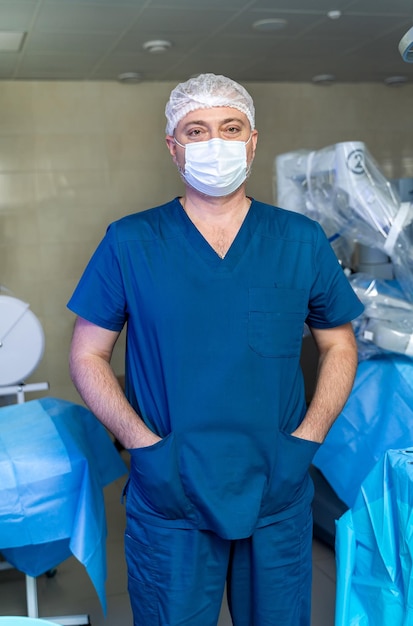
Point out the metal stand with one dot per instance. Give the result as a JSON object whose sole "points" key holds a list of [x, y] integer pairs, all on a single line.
{"points": [[33, 610], [31, 586], [21, 389]]}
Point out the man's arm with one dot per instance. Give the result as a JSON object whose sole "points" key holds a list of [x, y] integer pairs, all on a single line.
{"points": [[336, 371], [93, 377]]}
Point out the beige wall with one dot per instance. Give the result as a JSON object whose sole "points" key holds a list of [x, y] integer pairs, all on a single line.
{"points": [[75, 156]]}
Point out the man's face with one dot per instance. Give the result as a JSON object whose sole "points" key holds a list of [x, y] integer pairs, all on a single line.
{"points": [[203, 124]]}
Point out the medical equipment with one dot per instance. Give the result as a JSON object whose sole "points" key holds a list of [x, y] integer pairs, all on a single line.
{"points": [[21, 340], [22, 343], [21, 347], [387, 322], [370, 229], [361, 213], [406, 46]]}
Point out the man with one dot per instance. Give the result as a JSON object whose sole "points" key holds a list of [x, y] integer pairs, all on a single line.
{"points": [[215, 288]]}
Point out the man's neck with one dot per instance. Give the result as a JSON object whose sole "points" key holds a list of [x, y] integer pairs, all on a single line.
{"points": [[217, 219], [218, 210]]}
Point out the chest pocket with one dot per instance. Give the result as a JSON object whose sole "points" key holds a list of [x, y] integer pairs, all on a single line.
{"points": [[276, 321]]}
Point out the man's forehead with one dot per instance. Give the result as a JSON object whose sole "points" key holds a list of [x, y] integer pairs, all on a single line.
{"points": [[213, 114]]}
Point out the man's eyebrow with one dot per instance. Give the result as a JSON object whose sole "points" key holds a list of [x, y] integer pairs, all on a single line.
{"points": [[204, 123], [233, 119], [198, 122]]}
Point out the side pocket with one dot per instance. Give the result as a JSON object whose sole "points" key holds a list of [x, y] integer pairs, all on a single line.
{"points": [[155, 481], [290, 477], [141, 582]]}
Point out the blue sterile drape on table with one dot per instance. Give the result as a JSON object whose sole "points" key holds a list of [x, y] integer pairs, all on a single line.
{"points": [[378, 416], [55, 459]]}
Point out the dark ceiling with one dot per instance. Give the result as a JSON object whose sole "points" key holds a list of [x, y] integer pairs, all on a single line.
{"points": [[100, 39]]}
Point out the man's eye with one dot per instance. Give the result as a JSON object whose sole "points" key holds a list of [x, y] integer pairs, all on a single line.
{"points": [[232, 130]]}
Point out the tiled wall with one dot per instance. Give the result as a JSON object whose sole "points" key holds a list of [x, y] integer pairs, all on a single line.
{"points": [[75, 156]]}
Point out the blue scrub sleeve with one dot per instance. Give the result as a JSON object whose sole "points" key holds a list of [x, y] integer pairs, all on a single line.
{"points": [[333, 301], [100, 296]]}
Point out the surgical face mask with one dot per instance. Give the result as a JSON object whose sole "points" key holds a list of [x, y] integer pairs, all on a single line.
{"points": [[216, 167]]}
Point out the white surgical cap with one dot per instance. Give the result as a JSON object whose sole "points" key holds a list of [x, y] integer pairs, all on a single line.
{"points": [[204, 92]]}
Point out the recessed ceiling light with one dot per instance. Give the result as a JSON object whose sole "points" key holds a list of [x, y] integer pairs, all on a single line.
{"points": [[157, 46], [130, 78], [395, 81], [269, 25], [10, 41], [334, 15], [324, 79]]}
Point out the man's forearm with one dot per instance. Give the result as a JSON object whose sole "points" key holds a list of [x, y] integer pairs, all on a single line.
{"points": [[336, 374], [98, 386]]}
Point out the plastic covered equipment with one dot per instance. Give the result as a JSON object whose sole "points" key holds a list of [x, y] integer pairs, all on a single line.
{"points": [[343, 189], [374, 548], [387, 322]]}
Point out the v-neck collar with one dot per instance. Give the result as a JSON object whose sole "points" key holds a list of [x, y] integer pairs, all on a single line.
{"points": [[206, 251]]}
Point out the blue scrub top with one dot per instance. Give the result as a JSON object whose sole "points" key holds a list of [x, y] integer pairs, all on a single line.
{"points": [[213, 358]]}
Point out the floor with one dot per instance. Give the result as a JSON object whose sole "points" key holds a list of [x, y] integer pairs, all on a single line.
{"points": [[71, 592]]}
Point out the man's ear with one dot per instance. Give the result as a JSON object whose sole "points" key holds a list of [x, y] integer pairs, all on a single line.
{"points": [[254, 139], [171, 145]]}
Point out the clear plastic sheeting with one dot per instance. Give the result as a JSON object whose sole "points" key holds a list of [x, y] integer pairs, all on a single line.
{"points": [[374, 548], [387, 322], [342, 188]]}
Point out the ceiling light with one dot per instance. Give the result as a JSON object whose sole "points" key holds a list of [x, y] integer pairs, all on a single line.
{"points": [[334, 15], [11, 42], [395, 81], [406, 46], [130, 78], [324, 79], [157, 46], [269, 25]]}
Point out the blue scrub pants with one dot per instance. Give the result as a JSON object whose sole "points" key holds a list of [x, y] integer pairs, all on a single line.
{"points": [[177, 577]]}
